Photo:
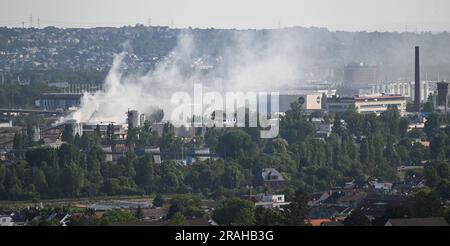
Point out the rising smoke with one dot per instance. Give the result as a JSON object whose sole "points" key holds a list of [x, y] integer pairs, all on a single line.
{"points": [[247, 63]]}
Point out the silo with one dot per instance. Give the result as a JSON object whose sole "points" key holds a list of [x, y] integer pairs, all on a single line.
{"points": [[133, 118], [142, 120]]}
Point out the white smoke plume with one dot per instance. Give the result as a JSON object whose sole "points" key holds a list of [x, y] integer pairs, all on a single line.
{"points": [[248, 63]]}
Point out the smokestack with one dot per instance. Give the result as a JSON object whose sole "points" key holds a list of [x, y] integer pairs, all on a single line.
{"points": [[417, 81]]}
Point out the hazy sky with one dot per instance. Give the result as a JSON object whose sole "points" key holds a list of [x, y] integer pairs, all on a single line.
{"points": [[370, 15]]}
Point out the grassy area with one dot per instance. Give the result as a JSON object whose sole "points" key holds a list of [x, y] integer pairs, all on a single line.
{"points": [[71, 201]]}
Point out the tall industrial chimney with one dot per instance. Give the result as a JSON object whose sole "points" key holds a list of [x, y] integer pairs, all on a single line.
{"points": [[417, 82]]}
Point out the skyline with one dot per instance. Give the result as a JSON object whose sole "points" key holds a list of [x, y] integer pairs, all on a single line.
{"points": [[346, 15]]}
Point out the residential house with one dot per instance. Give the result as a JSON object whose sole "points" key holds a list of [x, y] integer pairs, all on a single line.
{"points": [[270, 201], [6, 220], [269, 176]]}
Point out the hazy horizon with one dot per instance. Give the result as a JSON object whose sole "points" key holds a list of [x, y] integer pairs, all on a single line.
{"points": [[345, 15]]}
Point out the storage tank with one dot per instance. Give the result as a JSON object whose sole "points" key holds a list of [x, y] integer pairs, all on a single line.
{"points": [[133, 118]]}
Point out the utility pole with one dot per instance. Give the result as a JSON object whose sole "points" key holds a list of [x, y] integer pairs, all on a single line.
{"points": [[31, 21]]}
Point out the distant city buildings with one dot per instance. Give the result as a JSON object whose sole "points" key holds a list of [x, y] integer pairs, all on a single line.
{"points": [[73, 49]]}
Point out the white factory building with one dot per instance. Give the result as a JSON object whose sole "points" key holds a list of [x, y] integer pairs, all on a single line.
{"points": [[367, 104]]}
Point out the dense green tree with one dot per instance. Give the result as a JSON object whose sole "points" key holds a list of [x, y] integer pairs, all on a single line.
{"points": [[391, 119], [427, 203], [94, 159], [112, 186], [438, 146], [296, 211], [2, 178], [187, 205], [68, 153], [432, 125], [30, 136], [67, 133], [403, 127], [235, 143], [171, 177], [117, 216], [212, 138], [158, 201], [233, 176], [18, 143], [269, 217], [177, 219], [338, 127], [72, 179], [40, 181], [416, 133], [295, 126], [145, 172], [357, 218], [235, 212], [443, 189]]}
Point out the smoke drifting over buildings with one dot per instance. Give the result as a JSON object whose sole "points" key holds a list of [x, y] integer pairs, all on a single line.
{"points": [[258, 60], [241, 66]]}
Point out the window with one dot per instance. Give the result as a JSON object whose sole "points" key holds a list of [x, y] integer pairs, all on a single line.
{"points": [[371, 106]]}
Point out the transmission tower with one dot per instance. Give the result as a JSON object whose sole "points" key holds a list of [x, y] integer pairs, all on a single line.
{"points": [[31, 21]]}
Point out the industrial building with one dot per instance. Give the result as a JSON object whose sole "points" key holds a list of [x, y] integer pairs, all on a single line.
{"points": [[442, 95], [358, 75], [367, 104], [54, 101], [135, 119], [406, 89], [337, 104], [90, 127], [358, 78], [379, 104], [180, 131], [307, 101]]}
